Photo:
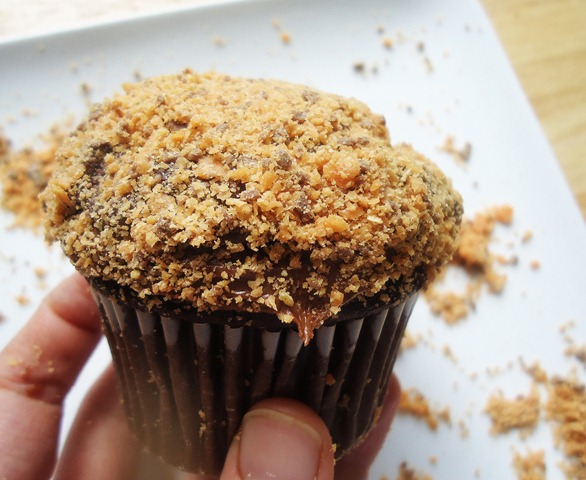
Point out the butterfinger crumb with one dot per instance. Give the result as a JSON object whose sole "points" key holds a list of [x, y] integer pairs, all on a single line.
{"points": [[219, 41], [566, 407], [527, 236], [409, 341], [24, 174], [536, 372], [567, 326], [40, 272], [414, 403], [503, 214], [474, 256], [534, 264], [530, 466], [577, 351], [22, 299], [464, 430], [461, 155], [452, 306], [408, 473], [521, 413]]}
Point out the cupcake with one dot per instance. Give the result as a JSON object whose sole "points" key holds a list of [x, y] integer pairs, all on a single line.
{"points": [[243, 239]]}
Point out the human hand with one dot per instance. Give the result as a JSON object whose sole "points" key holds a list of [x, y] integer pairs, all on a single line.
{"points": [[279, 439]]}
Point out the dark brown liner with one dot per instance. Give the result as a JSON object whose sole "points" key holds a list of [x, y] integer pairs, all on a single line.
{"points": [[186, 385]]}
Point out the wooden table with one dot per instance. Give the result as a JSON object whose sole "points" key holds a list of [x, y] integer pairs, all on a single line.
{"points": [[545, 40], [546, 43]]}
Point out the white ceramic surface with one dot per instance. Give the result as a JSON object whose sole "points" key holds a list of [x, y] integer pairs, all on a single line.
{"points": [[445, 74]]}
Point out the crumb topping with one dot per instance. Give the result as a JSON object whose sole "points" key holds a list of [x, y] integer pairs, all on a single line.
{"points": [[237, 194]]}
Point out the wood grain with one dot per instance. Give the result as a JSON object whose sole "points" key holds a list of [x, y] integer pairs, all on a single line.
{"points": [[546, 43]]}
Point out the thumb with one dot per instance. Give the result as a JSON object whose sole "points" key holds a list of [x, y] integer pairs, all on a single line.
{"points": [[280, 439]]}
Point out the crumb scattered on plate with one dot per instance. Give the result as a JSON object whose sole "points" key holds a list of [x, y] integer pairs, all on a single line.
{"points": [[530, 466], [566, 408], [521, 413], [476, 259], [460, 154], [408, 473], [24, 174], [415, 404]]}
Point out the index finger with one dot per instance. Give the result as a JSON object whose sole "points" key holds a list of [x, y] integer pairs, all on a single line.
{"points": [[37, 369]]}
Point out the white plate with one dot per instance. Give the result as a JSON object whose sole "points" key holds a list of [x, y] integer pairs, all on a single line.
{"points": [[445, 75]]}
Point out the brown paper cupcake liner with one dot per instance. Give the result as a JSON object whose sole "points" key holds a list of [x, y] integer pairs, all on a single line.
{"points": [[186, 385]]}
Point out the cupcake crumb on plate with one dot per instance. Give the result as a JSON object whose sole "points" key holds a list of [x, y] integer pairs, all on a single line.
{"points": [[530, 466], [521, 413]]}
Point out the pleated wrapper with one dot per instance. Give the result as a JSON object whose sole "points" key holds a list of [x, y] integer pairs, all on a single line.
{"points": [[187, 382]]}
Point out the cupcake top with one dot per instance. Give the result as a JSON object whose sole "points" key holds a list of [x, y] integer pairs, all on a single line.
{"points": [[218, 193]]}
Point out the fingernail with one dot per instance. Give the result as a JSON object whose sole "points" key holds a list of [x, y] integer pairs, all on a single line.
{"points": [[277, 446]]}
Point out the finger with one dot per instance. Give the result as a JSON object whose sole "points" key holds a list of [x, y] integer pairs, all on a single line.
{"points": [[99, 444], [37, 369], [356, 463], [280, 439]]}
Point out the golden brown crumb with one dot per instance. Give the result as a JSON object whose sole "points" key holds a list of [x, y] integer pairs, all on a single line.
{"points": [[564, 327], [473, 255], [24, 174], [214, 192], [23, 299], [409, 341], [527, 236], [86, 89], [40, 272], [566, 407], [521, 413], [534, 264], [536, 371], [413, 403], [577, 351], [452, 306], [387, 42], [285, 38], [573, 349], [503, 214], [449, 354], [408, 473], [462, 154], [464, 430], [219, 41], [530, 466]]}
